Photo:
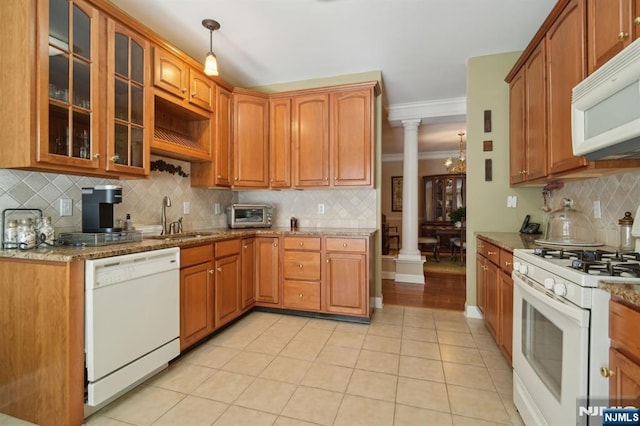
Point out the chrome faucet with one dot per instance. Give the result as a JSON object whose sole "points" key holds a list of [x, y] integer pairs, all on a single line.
{"points": [[166, 202]]}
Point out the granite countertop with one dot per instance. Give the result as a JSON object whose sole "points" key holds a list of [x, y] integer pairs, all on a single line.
{"points": [[69, 253], [627, 292], [510, 240]]}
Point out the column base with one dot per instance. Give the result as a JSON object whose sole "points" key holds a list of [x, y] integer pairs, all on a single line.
{"points": [[409, 269]]}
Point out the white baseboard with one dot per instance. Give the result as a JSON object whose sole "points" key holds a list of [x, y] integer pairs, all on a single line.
{"points": [[473, 312], [409, 278]]}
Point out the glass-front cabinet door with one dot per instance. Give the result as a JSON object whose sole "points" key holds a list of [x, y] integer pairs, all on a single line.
{"points": [[128, 123], [68, 61], [442, 195]]}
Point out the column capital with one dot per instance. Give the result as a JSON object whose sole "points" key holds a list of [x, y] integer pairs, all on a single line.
{"points": [[411, 124]]}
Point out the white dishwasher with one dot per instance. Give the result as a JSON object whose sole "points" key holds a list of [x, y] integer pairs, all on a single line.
{"points": [[132, 319]]}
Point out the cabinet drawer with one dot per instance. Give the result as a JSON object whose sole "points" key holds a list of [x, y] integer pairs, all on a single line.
{"points": [[506, 261], [347, 244], [302, 243], [301, 295], [195, 255], [623, 323], [491, 252], [301, 265], [227, 248]]}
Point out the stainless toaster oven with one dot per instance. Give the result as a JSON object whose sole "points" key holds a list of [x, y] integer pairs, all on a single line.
{"points": [[249, 216]]}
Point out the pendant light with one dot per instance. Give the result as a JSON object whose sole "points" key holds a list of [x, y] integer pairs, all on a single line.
{"points": [[211, 62]]}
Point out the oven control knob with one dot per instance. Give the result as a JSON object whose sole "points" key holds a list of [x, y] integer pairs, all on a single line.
{"points": [[549, 283], [523, 269], [560, 289], [516, 266]]}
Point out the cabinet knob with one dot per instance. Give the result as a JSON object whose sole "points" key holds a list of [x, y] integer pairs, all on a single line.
{"points": [[193, 95], [301, 244], [300, 266], [636, 21], [210, 271], [623, 35], [275, 244], [605, 372], [184, 90], [96, 156], [336, 178], [507, 263], [491, 253], [115, 158], [244, 246], [219, 269], [327, 260], [301, 295], [344, 244], [326, 179], [219, 176]]}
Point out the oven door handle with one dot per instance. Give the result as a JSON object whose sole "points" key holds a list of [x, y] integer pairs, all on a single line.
{"points": [[578, 315]]}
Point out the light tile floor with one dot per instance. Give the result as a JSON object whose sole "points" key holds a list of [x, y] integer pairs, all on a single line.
{"points": [[410, 366]]}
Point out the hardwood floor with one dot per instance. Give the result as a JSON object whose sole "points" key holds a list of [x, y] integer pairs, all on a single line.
{"points": [[441, 291]]}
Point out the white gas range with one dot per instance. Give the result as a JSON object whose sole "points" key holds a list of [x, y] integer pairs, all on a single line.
{"points": [[560, 331]]}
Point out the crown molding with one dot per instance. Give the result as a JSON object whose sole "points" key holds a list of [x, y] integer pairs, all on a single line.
{"points": [[429, 111], [434, 155]]}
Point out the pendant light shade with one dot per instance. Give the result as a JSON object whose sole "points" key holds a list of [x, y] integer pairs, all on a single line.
{"points": [[211, 62]]}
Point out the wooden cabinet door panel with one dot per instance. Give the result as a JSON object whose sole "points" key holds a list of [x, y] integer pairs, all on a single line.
{"points": [[535, 115], [481, 289], [267, 270], [170, 73], [196, 303], [566, 67], [248, 293], [492, 299], [506, 315], [250, 141], [310, 136], [624, 383], [517, 128], [202, 90], [344, 287], [227, 287], [222, 153], [351, 141], [607, 21], [280, 143]]}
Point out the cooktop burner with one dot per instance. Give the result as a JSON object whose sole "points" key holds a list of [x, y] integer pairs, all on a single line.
{"points": [[596, 262]]}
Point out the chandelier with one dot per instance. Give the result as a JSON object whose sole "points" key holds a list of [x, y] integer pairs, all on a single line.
{"points": [[461, 164]]}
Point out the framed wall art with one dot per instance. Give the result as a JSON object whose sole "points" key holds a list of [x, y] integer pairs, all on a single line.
{"points": [[396, 193]]}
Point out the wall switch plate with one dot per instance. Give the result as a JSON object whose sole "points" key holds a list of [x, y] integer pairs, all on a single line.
{"points": [[66, 207], [186, 207], [597, 212], [320, 208], [216, 208]]}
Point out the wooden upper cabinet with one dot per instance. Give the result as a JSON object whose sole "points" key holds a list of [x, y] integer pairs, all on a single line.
{"points": [[351, 137], [170, 73], [310, 136], [535, 116], [69, 78], [612, 26], [565, 61], [129, 102], [176, 77], [280, 142], [250, 141], [517, 127]]}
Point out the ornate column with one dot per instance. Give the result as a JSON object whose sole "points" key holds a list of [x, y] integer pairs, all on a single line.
{"points": [[409, 262]]}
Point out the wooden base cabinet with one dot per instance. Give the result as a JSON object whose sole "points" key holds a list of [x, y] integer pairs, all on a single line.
{"points": [[301, 273], [248, 259], [196, 294], [267, 278], [624, 354], [227, 281], [494, 288], [345, 287]]}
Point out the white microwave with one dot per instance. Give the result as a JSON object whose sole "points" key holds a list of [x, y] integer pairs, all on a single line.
{"points": [[605, 109], [249, 216]]}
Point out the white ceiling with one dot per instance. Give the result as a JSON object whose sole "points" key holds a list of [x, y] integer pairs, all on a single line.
{"points": [[420, 46]]}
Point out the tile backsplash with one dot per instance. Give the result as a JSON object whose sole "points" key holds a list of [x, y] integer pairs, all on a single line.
{"points": [[142, 198], [617, 194]]}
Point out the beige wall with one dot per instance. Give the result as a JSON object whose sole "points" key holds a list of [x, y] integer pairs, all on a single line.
{"points": [[487, 201]]}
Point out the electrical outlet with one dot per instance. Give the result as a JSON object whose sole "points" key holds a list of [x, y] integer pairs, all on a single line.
{"points": [[320, 208], [66, 207], [186, 207], [216, 208], [597, 212]]}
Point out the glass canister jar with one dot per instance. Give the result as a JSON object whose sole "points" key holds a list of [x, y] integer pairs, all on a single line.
{"points": [[26, 234], [626, 239], [11, 235], [45, 232]]}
